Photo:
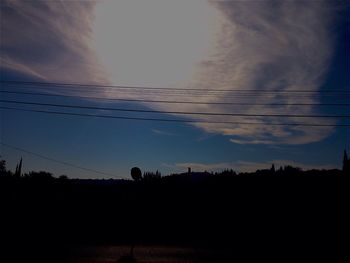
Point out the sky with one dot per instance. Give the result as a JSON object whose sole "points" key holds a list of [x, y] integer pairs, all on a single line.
{"points": [[241, 60]]}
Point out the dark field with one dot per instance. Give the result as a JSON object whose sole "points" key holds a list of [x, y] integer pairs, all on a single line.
{"points": [[176, 219], [147, 254]]}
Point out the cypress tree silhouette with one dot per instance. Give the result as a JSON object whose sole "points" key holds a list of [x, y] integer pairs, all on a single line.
{"points": [[18, 171], [273, 170]]}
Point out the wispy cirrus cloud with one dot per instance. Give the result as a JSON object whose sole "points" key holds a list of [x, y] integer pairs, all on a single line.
{"points": [[266, 46], [261, 45], [162, 132], [49, 40]]}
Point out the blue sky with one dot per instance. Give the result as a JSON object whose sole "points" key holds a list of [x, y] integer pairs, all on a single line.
{"points": [[260, 45]]}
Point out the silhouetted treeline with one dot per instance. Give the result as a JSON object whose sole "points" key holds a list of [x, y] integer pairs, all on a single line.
{"points": [[268, 210]]}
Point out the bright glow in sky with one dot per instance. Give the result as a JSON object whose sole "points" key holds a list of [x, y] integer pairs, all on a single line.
{"points": [[153, 43], [267, 46]]}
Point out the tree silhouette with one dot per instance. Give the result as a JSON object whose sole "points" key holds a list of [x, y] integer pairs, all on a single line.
{"points": [[63, 177], [2, 166], [346, 163], [18, 171], [149, 176], [273, 170], [136, 174]]}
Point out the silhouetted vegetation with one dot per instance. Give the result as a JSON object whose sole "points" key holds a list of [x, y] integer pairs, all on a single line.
{"points": [[149, 176], [18, 171], [136, 174], [2, 166], [346, 163], [193, 208]]}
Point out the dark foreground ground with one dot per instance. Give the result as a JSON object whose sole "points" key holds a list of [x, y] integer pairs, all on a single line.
{"points": [[215, 219], [147, 254]]}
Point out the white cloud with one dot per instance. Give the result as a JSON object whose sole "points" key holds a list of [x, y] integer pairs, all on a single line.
{"points": [[161, 132], [270, 46], [264, 45], [8, 63], [49, 40]]}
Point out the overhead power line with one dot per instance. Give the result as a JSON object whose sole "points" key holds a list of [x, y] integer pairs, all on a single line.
{"points": [[181, 94], [58, 161], [60, 84], [174, 112], [172, 101], [172, 120]]}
